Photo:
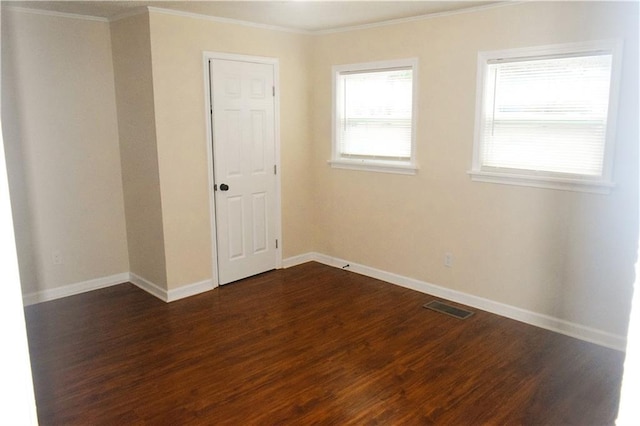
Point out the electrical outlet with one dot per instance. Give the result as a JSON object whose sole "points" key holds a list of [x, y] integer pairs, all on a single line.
{"points": [[448, 260], [56, 257]]}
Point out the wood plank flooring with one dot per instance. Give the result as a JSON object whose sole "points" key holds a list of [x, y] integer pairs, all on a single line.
{"points": [[306, 345]]}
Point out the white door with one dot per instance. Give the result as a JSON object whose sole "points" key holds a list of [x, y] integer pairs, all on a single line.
{"points": [[244, 167]]}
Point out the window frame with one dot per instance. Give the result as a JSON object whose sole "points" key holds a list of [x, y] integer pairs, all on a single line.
{"points": [[542, 179], [367, 164]]}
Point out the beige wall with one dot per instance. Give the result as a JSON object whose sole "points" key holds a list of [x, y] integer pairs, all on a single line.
{"points": [[131, 42], [564, 254], [60, 129], [177, 45]]}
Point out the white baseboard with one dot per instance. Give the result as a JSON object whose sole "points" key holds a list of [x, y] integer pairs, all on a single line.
{"points": [[73, 289], [299, 260], [171, 295], [98, 283], [149, 287], [190, 290], [568, 328]]}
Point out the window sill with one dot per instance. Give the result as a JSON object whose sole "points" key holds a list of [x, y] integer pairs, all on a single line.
{"points": [[548, 182], [375, 166]]}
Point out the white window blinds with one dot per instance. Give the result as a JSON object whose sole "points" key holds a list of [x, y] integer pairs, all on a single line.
{"points": [[375, 115], [547, 114]]}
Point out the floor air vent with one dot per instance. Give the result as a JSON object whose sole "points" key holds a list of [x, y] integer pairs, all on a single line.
{"points": [[434, 305]]}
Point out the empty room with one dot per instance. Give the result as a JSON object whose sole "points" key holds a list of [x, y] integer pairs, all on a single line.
{"points": [[310, 212]]}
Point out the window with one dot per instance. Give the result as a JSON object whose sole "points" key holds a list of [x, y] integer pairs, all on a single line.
{"points": [[545, 116], [374, 116]]}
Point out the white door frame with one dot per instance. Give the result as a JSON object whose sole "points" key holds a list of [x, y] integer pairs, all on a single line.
{"points": [[206, 56]]}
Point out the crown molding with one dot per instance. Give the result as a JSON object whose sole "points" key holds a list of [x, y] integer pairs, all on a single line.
{"points": [[226, 20], [153, 9], [53, 13], [420, 17], [128, 14]]}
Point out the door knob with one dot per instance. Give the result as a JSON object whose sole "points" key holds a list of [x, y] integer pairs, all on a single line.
{"points": [[224, 187]]}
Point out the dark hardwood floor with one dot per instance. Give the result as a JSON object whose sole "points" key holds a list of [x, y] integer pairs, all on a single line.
{"points": [[306, 345]]}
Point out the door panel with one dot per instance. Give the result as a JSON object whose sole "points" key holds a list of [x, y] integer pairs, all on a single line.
{"points": [[257, 142], [236, 230], [244, 159], [232, 142], [260, 223]]}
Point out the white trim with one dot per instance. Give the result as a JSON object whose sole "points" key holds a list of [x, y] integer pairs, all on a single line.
{"points": [[276, 128], [138, 11], [300, 259], [561, 49], [111, 280], [73, 289], [149, 287], [568, 328], [557, 325], [208, 106], [373, 166], [275, 62], [240, 58], [129, 13], [173, 294], [418, 18], [190, 290], [596, 187], [226, 20], [401, 167], [44, 12], [601, 184]]}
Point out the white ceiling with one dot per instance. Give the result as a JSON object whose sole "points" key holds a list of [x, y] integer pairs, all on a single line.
{"points": [[297, 15]]}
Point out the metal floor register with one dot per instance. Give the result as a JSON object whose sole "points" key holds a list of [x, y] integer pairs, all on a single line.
{"points": [[434, 305]]}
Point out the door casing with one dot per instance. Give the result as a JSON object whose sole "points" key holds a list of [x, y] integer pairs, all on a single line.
{"points": [[207, 56]]}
